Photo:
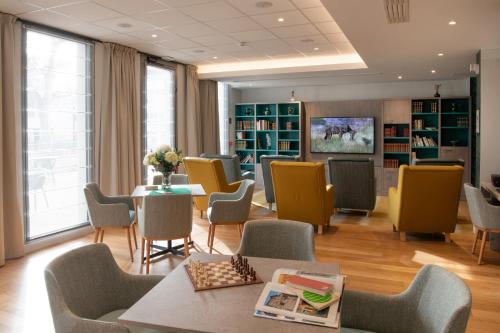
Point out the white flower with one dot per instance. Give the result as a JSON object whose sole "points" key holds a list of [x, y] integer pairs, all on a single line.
{"points": [[171, 157], [146, 159], [163, 148]]}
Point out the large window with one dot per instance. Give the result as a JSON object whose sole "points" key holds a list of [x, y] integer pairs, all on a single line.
{"points": [[57, 132], [223, 100], [160, 108]]}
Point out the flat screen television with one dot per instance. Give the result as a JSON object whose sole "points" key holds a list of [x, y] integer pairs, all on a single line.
{"points": [[345, 135]]}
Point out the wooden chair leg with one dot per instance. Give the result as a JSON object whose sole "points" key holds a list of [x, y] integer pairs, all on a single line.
{"points": [[240, 229], [102, 235], [189, 238], [483, 243], [143, 241], [135, 236], [447, 237], [212, 236], [402, 236], [96, 236], [320, 229], [201, 214], [476, 236], [129, 244], [186, 247], [209, 234], [368, 213], [270, 206], [148, 251]]}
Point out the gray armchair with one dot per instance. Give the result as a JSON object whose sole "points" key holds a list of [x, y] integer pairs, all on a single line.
{"points": [[485, 217], [438, 161], [437, 301], [175, 179], [110, 212], [232, 167], [265, 162], [278, 239], [165, 217], [229, 208], [88, 291], [354, 182]]}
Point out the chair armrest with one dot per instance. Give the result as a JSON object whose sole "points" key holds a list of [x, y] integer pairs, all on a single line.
{"points": [[247, 175], [96, 326], [219, 196], [233, 187], [119, 199], [330, 200], [111, 215], [229, 211], [394, 206], [372, 312], [134, 287]]}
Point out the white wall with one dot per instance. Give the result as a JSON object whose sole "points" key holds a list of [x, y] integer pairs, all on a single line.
{"points": [[356, 91], [490, 113]]}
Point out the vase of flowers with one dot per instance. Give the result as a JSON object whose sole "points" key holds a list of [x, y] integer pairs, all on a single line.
{"points": [[164, 160]]}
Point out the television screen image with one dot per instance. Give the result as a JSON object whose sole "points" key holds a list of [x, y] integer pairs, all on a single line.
{"points": [[343, 135]]}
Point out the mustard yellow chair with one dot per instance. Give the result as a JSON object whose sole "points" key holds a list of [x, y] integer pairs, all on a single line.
{"points": [[301, 192], [426, 199], [210, 174]]}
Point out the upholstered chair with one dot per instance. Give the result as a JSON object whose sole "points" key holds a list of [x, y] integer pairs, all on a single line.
{"points": [[229, 208], [354, 182], [484, 216], [278, 239], [232, 167], [110, 212], [165, 217], [426, 199], [88, 291], [438, 161], [265, 162], [437, 301], [301, 192], [210, 174]]}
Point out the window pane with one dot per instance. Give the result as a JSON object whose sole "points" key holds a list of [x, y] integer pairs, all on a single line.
{"points": [[160, 108], [223, 91], [57, 133]]}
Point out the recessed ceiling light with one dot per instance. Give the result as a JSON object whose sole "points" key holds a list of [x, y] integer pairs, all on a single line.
{"points": [[263, 4], [452, 22], [307, 40], [124, 25], [280, 19], [198, 51], [440, 54], [400, 77], [215, 57], [433, 71], [316, 49], [154, 35]]}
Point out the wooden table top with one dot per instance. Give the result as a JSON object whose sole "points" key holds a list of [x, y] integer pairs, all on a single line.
{"points": [[495, 191], [174, 305], [141, 191]]}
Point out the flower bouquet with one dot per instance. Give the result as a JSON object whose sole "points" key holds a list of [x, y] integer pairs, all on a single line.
{"points": [[164, 160]]}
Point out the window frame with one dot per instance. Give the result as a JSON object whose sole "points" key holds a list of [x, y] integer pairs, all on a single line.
{"points": [[89, 124]]}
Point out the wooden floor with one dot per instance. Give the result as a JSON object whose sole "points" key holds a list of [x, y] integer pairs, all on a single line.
{"points": [[369, 253]]}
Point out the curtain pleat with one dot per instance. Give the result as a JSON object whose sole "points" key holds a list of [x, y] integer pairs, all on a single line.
{"points": [[11, 222], [117, 127], [209, 116]]}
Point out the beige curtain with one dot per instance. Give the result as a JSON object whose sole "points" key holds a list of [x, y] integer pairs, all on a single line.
{"points": [[209, 116], [188, 117], [117, 119], [11, 222]]}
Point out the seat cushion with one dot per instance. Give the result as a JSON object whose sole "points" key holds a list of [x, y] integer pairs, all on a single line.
{"points": [[353, 330], [112, 317]]}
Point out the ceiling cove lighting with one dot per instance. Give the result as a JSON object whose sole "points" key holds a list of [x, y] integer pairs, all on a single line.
{"points": [[452, 22], [344, 61]]}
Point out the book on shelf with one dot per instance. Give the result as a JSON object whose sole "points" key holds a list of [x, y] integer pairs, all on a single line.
{"points": [[419, 141], [280, 301], [397, 147], [265, 125], [391, 163], [392, 132], [244, 125], [284, 145]]}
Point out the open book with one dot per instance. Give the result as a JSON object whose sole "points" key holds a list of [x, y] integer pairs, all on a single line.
{"points": [[281, 302]]}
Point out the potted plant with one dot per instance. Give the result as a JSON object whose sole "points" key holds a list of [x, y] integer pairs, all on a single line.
{"points": [[165, 160]]}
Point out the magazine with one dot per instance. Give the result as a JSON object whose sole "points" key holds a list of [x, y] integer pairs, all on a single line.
{"points": [[281, 302]]}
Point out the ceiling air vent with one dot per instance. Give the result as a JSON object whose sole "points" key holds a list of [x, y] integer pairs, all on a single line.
{"points": [[397, 11]]}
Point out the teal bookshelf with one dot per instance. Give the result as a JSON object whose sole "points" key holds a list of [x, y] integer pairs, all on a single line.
{"points": [[455, 122], [267, 129], [396, 144], [425, 128]]}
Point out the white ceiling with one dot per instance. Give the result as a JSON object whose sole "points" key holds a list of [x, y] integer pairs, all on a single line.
{"points": [[197, 31]]}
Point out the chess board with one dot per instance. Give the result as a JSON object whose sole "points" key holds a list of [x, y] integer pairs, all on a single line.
{"points": [[221, 274]]}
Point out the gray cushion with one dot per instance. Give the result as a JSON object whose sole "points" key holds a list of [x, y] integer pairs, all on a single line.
{"points": [[265, 162], [112, 317]]}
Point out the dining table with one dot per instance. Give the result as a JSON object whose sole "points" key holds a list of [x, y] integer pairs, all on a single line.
{"points": [[174, 306], [140, 191]]}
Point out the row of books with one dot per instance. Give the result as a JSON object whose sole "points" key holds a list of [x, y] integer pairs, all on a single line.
{"points": [[289, 125], [424, 141], [247, 159], [243, 135], [302, 297], [392, 131], [244, 125], [391, 163], [463, 121], [265, 125], [397, 147], [284, 145], [418, 107], [242, 145], [419, 124]]}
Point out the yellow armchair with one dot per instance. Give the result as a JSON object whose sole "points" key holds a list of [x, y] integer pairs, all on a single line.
{"points": [[301, 192], [426, 199], [210, 174]]}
